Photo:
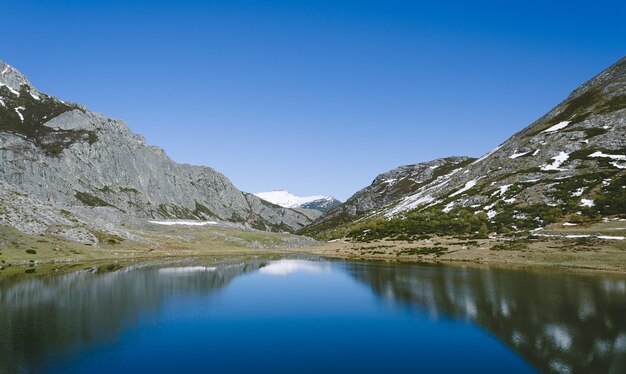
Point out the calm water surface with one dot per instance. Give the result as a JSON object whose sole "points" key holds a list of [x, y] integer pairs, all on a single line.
{"points": [[288, 316]]}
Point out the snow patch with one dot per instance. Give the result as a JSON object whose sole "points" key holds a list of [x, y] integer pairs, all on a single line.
{"points": [[587, 202], [17, 110], [558, 161], [578, 192], [448, 207], [411, 202], [613, 157], [184, 223], [502, 190], [516, 155], [467, 186], [35, 96], [557, 127]]}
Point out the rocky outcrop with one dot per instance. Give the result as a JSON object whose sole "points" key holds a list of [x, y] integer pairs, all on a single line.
{"points": [[67, 156], [30, 215]]}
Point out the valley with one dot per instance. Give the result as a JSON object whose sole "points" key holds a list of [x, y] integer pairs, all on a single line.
{"points": [[554, 194]]}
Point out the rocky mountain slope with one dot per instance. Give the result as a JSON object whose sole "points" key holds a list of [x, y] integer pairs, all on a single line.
{"points": [[66, 156], [288, 200], [569, 165], [387, 188]]}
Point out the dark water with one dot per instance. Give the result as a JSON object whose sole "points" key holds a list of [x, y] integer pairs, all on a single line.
{"points": [[291, 316]]}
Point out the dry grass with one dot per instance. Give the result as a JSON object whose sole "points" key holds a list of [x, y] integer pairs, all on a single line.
{"points": [[581, 253], [19, 249]]}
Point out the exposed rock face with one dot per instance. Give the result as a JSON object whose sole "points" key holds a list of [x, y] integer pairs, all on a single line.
{"points": [[67, 156], [32, 216], [573, 159]]}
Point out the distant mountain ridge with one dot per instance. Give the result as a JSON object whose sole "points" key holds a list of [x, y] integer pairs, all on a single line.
{"points": [[63, 155], [387, 188], [568, 165], [286, 199]]}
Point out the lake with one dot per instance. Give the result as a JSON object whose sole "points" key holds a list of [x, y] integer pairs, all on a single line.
{"points": [[311, 316]]}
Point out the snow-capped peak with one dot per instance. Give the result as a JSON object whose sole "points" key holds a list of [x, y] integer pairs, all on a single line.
{"points": [[288, 200]]}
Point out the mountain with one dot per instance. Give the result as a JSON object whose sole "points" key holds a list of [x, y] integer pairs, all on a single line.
{"points": [[288, 200], [569, 165], [65, 156], [386, 189]]}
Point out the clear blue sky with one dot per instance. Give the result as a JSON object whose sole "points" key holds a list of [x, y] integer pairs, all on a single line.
{"points": [[317, 97]]}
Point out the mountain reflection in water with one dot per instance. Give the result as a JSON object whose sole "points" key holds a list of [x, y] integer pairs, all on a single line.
{"points": [[556, 321], [48, 317], [559, 322]]}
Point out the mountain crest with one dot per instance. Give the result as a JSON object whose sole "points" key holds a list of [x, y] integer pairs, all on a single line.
{"points": [[14, 80], [570, 164]]}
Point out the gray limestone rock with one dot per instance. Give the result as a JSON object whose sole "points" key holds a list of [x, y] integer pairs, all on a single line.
{"points": [[69, 157]]}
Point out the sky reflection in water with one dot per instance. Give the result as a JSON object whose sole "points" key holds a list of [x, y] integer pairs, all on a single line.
{"points": [[310, 316]]}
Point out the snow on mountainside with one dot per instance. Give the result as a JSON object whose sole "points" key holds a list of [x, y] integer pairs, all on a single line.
{"points": [[567, 165], [388, 188], [288, 200]]}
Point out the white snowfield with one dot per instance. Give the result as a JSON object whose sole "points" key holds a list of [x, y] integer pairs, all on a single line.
{"points": [[557, 127], [288, 200], [184, 223]]}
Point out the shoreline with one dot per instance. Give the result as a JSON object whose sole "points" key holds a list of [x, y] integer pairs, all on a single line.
{"points": [[468, 257], [596, 255], [548, 253]]}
